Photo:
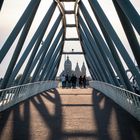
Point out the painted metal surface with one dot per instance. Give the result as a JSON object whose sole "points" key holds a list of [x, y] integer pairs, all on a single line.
{"points": [[14, 95], [130, 101], [100, 52], [113, 35]]}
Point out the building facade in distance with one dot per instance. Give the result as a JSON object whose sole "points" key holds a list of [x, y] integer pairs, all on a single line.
{"points": [[77, 72]]}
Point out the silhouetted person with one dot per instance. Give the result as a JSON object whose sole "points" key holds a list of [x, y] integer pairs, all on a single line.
{"points": [[69, 81], [80, 81], [66, 78], [73, 80], [84, 81], [63, 81]]}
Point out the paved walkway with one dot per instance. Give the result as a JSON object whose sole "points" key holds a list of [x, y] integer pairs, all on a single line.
{"points": [[68, 114]]}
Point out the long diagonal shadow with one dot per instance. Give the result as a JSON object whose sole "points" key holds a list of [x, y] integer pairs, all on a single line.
{"points": [[21, 122], [127, 126], [14, 125], [18, 119], [4, 117], [102, 115], [15, 122], [54, 122]]}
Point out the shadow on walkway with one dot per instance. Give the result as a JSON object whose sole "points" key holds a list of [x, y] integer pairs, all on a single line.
{"points": [[112, 121], [17, 122], [57, 115]]}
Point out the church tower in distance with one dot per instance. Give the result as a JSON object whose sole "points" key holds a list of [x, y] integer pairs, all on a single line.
{"points": [[83, 69], [68, 69], [77, 71]]}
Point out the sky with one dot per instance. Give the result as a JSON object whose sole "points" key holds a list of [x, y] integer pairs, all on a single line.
{"points": [[13, 9]]}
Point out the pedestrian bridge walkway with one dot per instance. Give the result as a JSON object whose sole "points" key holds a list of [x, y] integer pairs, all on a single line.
{"points": [[68, 114]]}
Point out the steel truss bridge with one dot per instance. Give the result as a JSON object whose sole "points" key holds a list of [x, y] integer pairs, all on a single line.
{"points": [[102, 49]]}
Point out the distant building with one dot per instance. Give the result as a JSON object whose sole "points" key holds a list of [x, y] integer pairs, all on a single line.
{"points": [[83, 69], [68, 69]]}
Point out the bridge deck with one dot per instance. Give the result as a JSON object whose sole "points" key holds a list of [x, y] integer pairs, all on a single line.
{"points": [[71, 114]]}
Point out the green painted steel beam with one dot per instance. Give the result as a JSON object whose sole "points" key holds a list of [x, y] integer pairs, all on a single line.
{"points": [[92, 56], [36, 37], [111, 32], [55, 54], [49, 54], [115, 55], [130, 12], [19, 46], [100, 42], [45, 46], [13, 35], [130, 34], [106, 65]]}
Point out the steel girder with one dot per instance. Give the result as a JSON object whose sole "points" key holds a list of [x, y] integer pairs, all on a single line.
{"points": [[106, 64], [45, 46], [105, 52], [130, 12], [19, 45], [54, 55], [53, 64], [49, 54], [37, 38], [102, 46], [120, 47], [93, 59], [17, 29], [115, 54], [130, 34], [101, 56], [1, 2]]}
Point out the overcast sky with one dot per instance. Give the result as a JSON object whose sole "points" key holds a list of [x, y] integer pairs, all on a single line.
{"points": [[13, 9]]}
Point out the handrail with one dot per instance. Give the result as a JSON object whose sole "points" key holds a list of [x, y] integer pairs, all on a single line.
{"points": [[128, 100], [14, 95]]}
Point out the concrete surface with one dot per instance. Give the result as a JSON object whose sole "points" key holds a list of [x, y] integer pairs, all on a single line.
{"points": [[68, 114]]}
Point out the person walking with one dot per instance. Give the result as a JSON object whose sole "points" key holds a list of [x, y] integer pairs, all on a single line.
{"points": [[73, 81], [66, 79], [80, 81], [63, 81], [69, 81], [84, 81]]}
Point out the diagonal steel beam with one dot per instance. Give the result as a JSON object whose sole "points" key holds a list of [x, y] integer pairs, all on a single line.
{"points": [[45, 47], [105, 52], [19, 46], [115, 55], [130, 34], [13, 35], [37, 38], [1, 2], [130, 12], [111, 32], [106, 65], [91, 64], [87, 48], [49, 54], [55, 54], [52, 66]]}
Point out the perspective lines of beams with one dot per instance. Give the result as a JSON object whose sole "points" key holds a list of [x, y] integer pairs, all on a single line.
{"points": [[106, 56]]}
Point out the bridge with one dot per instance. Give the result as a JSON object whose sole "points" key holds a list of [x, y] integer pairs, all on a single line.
{"points": [[34, 106]]}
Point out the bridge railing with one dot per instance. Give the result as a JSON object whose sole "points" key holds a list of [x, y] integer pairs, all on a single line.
{"points": [[129, 101], [14, 95]]}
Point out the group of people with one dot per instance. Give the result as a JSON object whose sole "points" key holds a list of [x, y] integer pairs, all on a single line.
{"points": [[73, 81]]}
